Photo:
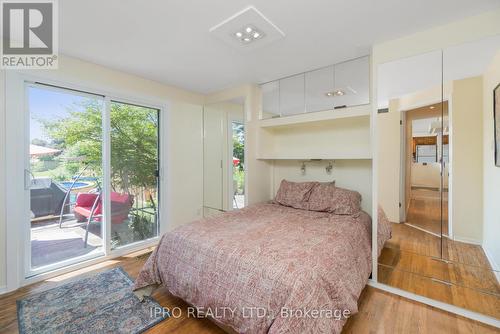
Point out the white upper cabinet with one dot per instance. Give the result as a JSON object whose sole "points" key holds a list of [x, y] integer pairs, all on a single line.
{"points": [[352, 83], [270, 100], [345, 84], [319, 83], [292, 95]]}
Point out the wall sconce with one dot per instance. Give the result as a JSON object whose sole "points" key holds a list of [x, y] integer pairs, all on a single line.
{"points": [[329, 167], [303, 168]]}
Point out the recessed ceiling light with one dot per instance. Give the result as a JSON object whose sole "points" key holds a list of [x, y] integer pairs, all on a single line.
{"points": [[337, 92], [248, 34], [247, 23]]}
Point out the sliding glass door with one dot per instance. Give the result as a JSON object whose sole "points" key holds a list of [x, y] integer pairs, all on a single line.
{"points": [[64, 178], [92, 175], [134, 173]]}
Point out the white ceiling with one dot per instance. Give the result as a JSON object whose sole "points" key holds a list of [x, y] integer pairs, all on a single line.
{"points": [[169, 41]]}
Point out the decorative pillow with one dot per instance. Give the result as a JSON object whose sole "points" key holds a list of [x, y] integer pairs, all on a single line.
{"points": [[329, 198], [294, 194]]}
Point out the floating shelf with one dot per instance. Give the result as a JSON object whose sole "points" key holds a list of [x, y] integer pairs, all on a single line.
{"points": [[319, 116]]}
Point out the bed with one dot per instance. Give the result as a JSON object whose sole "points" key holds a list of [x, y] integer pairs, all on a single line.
{"points": [[268, 267]]}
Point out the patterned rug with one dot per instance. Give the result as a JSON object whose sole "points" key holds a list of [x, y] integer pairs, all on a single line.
{"points": [[103, 303]]}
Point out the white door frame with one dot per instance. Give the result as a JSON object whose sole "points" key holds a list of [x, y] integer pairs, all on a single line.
{"points": [[18, 247], [450, 135], [230, 120], [402, 173]]}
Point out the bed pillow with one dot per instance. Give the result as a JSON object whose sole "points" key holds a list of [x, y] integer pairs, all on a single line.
{"points": [[294, 194], [329, 198]]}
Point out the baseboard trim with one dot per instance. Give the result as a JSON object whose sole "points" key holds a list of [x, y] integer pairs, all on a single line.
{"points": [[494, 265], [437, 304], [3, 289], [468, 240]]}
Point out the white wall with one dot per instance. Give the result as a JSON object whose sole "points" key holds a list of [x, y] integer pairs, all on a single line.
{"points": [[3, 192], [466, 137], [347, 138], [388, 154], [491, 173], [184, 134], [185, 174]]}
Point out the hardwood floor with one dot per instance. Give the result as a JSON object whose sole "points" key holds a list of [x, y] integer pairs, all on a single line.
{"points": [[464, 275], [379, 311], [411, 260], [424, 210], [460, 296]]}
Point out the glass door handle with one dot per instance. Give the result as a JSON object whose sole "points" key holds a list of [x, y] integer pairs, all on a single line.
{"points": [[28, 176]]}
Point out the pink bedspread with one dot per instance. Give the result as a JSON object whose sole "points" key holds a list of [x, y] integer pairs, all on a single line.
{"points": [[263, 268]]}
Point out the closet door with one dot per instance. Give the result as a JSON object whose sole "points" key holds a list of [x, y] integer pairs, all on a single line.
{"points": [[471, 179], [410, 105], [213, 150], [409, 140], [446, 246]]}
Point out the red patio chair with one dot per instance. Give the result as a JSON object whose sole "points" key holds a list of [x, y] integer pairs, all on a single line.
{"points": [[89, 207]]}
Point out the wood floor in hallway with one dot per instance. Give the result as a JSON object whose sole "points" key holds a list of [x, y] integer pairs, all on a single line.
{"points": [[424, 210]]}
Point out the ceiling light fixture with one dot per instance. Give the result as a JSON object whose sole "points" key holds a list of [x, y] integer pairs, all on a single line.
{"points": [[432, 107], [248, 34], [247, 23]]}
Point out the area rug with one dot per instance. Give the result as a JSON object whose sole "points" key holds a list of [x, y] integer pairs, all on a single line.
{"points": [[102, 303]]}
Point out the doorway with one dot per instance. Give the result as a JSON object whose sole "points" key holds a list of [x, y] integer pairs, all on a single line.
{"points": [[237, 142], [426, 169], [223, 157]]}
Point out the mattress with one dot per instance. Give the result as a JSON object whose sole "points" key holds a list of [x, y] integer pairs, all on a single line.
{"points": [[268, 268]]}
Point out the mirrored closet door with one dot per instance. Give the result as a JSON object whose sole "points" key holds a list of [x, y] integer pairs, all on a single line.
{"points": [[438, 182]]}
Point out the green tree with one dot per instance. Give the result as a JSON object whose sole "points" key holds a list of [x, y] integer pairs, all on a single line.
{"points": [[239, 143], [134, 142]]}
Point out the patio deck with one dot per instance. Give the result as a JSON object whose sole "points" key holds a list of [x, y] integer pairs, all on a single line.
{"points": [[51, 244], [240, 201]]}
